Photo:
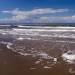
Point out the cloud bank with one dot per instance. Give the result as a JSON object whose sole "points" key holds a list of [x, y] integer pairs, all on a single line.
{"points": [[66, 19], [27, 16]]}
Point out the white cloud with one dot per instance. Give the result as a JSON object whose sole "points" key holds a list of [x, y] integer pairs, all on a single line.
{"points": [[19, 18], [23, 15], [28, 15], [6, 11], [36, 11], [67, 19]]}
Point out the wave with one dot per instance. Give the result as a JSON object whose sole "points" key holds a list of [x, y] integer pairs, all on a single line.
{"points": [[37, 33]]}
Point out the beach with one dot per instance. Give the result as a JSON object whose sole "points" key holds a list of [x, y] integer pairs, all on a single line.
{"points": [[37, 51]]}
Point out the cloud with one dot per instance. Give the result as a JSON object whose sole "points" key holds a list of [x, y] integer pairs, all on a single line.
{"points": [[36, 11], [52, 19], [28, 15], [65, 19], [6, 11]]}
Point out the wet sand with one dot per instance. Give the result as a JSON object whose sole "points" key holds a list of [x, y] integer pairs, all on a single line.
{"points": [[13, 63]]}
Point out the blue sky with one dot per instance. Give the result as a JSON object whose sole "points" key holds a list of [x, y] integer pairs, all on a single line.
{"points": [[37, 11]]}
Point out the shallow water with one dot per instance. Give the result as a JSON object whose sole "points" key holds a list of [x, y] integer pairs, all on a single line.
{"points": [[37, 50]]}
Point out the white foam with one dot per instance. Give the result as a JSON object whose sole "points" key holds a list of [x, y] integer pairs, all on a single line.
{"points": [[55, 59], [21, 26], [9, 45], [29, 38], [32, 68], [41, 31], [47, 67], [71, 70], [3, 33], [20, 38], [38, 61], [46, 30], [45, 56], [24, 54], [70, 58], [4, 42]]}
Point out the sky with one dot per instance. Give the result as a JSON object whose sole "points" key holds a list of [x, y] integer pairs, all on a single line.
{"points": [[37, 11]]}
